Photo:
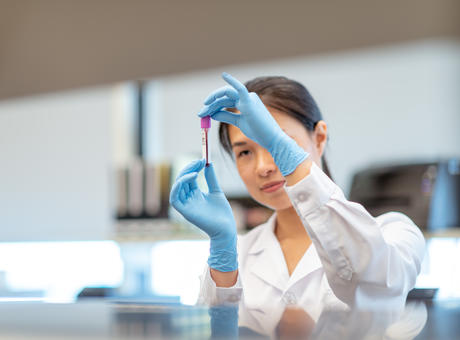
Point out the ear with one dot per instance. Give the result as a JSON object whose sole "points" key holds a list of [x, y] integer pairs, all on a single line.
{"points": [[320, 137]]}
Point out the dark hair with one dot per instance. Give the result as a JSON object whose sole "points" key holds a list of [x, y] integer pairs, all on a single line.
{"points": [[285, 95]]}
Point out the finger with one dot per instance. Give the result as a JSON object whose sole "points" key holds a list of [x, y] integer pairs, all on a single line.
{"points": [[226, 117], [188, 178], [216, 106], [182, 195], [190, 186], [194, 166], [186, 188], [174, 196], [211, 179], [224, 91], [236, 84], [187, 181], [194, 184]]}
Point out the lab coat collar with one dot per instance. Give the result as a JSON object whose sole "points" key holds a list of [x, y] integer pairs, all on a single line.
{"points": [[265, 237], [268, 259], [272, 266], [309, 262]]}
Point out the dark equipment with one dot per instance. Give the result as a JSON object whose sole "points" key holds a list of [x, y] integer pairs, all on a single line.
{"points": [[429, 193]]}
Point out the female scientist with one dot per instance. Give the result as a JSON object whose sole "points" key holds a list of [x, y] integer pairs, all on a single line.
{"points": [[318, 248]]}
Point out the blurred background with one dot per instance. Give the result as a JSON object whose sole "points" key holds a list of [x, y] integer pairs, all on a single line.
{"points": [[98, 104]]}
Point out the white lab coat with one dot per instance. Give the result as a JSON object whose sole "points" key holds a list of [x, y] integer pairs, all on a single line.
{"points": [[354, 260]]}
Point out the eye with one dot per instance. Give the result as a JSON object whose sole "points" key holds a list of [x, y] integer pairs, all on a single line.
{"points": [[243, 153]]}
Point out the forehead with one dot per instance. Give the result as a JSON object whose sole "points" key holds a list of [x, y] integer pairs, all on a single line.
{"points": [[289, 124]]}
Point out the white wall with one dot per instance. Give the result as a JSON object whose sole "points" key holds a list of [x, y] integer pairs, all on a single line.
{"points": [[55, 166], [389, 104]]}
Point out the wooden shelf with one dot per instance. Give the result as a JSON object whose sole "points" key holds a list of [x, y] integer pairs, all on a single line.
{"points": [[446, 233], [152, 230]]}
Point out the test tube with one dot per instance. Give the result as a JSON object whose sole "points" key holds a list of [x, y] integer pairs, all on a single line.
{"points": [[205, 126]]}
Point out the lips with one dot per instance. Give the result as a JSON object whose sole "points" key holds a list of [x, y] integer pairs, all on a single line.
{"points": [[272, 186]]}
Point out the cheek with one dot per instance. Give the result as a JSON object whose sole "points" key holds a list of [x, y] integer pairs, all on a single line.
{"points": [[307, 144], [248, 176], [245, 172]]}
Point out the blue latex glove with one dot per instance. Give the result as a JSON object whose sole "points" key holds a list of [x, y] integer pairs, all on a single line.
{"points": [[224, 322], [210, 212], [255, 121]]}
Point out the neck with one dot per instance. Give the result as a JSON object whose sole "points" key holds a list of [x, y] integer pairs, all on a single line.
{"points": [[289, 225]]}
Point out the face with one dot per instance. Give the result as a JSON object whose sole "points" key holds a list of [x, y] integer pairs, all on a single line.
{"points": [[257, 167]]}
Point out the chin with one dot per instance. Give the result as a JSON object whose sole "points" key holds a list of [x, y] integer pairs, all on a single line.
{"points": [[275, 203]]}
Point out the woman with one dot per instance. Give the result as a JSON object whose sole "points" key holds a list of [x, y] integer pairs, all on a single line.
{"points": [[318, 248]]}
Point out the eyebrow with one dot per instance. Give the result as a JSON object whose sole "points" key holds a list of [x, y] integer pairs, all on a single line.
{"points": [[245, 143], [238, 144]]}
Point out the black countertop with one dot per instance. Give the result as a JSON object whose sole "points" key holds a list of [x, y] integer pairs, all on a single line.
{"points": [[103, 319]]}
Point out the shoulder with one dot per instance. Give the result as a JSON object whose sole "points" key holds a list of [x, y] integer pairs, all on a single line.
{"points": [[398, 228], [394, 217]]}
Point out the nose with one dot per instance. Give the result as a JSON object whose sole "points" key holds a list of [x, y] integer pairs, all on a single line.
{"points": [[265, 165]]}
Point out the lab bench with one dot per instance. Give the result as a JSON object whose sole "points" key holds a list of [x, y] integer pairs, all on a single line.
{"points": [[104, 319]]}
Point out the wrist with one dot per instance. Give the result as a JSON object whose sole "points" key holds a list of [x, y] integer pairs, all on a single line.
{"points": [[302, 171], [223, 254], [224, 279], [287, 154]]}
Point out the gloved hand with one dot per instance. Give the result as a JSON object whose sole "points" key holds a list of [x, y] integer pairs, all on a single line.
{"points": [[255, 121], [210, 212]]}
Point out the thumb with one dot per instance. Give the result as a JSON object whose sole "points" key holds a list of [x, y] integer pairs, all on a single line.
{"points": [[211, 179]]}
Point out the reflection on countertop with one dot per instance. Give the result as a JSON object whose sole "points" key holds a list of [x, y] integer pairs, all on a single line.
{"points": [[101, 319]]}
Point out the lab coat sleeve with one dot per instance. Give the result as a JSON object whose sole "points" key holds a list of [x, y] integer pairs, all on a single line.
{"points": [[211, 295], [365, 258]]}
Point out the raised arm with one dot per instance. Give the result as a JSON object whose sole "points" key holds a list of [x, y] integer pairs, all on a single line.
{"points": [[367, 260], [212, 213]]}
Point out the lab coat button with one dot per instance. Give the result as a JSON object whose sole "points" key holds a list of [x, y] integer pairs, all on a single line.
{"points": [[301, 197], [290, 298], [345, 273], [233, 298]]}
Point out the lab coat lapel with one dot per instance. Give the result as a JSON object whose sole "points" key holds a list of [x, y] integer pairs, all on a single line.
{"points": [[309, 262], [267, 261]]}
